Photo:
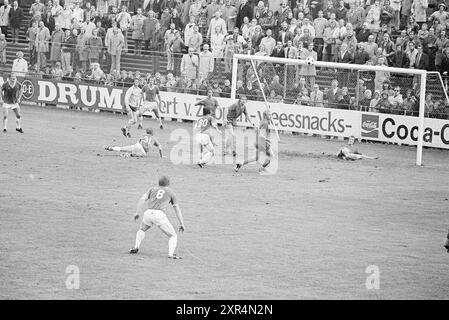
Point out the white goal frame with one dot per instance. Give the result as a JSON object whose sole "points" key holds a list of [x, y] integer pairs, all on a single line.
{"points": [[332, 65]]}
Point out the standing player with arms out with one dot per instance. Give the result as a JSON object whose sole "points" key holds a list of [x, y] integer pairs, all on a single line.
{"points": [[210, 104], [262, 144], [133, 99], [203, 137], [151, 101], [11, 95], [154, 205], [349, 152], [141, 148], [231, 116]]}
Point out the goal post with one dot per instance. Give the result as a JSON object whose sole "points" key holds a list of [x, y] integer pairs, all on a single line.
{"points": [[422, 106], [263, 94], [293, 86]]}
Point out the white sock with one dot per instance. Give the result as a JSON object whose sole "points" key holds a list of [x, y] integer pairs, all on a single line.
{"points": [[116, 148], [5, 123], [139, 237], [228, 144], [206, 157], [172, 242], [18, 125]]}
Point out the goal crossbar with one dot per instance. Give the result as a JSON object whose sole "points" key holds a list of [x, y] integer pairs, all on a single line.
{"points": [[324, 64]]}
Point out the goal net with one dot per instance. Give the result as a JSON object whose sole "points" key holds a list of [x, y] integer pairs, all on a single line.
{"points": [[340, 100]]}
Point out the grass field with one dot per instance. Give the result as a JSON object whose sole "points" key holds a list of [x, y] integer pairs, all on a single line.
{"points": [[65, 201]]}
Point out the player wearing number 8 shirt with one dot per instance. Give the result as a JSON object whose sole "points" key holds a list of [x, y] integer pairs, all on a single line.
{"points": [[154, 205], [11, 95], [202, 128], [151, 101]]}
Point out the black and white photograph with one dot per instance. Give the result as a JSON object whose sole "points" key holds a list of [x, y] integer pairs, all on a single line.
{"points": [[224, 150]]}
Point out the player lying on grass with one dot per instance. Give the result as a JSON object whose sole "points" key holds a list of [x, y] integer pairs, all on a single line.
{"points": [[232, 114], [203, 137], [151, 100], [133, 100], [262, 144], [349, 152], [141, 147], [11, 94], [153, 205]]}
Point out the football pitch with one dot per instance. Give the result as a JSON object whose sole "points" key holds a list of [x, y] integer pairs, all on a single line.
{"points": [[311, 231]]}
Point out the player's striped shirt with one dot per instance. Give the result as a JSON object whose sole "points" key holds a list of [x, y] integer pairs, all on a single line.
{"points": [[159, 198], [150, 93], [204, 123], [11, 94]]}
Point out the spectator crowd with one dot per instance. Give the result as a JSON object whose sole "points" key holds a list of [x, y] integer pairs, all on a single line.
{"points": [[85, 40]]}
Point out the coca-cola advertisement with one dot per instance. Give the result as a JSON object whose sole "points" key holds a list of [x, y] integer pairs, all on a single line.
{"points": [[370, 126]]}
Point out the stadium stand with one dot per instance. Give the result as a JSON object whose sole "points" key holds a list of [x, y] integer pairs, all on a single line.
{"points": [[157, 34]]}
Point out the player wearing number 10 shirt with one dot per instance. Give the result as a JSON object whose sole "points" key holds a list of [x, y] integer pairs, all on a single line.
{"points": [[154, 205], [202, 128]]}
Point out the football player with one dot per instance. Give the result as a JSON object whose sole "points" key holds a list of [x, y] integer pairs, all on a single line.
{"points": [[11, 95], [153, 205], [349, 152], [141, 148], [202, 128], [262, 144], [210, 104], [133, 100], [151, 101], [231, 115]]}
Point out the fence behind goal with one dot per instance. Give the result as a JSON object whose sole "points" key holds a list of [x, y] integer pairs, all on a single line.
{"points": [[336, 99]]}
